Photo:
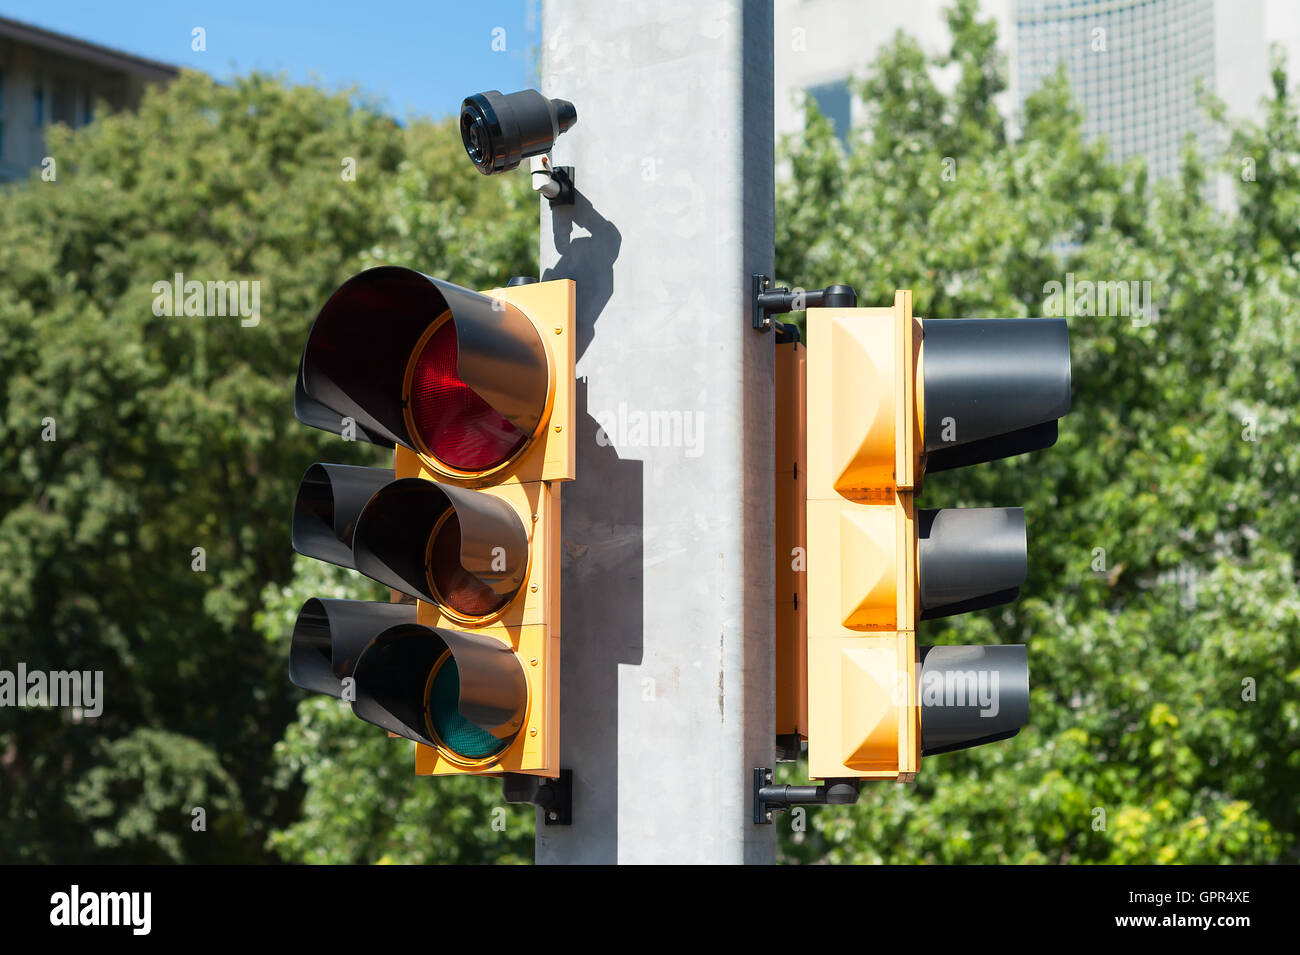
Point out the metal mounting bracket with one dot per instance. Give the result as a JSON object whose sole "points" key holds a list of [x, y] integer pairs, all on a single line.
{"points": [[553, 183], [789, 747], [563, 175], [769, 799], [768, 301], [554, 796]]}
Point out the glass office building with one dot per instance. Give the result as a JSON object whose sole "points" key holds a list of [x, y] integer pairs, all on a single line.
{"points": [[1136, 68]]}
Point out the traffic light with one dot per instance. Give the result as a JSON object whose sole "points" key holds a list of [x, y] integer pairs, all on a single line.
{"points": [[475, 393], [891, 398]]}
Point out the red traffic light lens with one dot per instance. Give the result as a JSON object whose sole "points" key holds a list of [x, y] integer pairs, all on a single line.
{"points": [[456, 426], [460, 590]]}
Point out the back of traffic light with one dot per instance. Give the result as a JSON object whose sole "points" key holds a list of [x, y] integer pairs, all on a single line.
{"points": [[790, 580], [475, 394], [891, 398]]}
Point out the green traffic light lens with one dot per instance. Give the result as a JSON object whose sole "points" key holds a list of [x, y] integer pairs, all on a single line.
{"points": [[463, 737]]}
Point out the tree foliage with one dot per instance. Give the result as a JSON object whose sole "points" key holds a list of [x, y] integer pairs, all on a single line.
{"points": [[1161, 611], [174, 432]]}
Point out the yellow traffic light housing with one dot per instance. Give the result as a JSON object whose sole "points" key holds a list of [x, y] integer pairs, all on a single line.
{"points": [[476, 394], [889, 398], [863, 462]]}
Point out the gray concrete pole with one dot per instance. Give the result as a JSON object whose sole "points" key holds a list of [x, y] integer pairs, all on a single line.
{"points": [[666, 648]]}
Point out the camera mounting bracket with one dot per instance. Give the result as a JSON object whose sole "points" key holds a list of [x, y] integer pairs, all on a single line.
{"points": [[555, 183]]}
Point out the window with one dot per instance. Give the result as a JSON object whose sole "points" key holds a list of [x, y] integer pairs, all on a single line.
{"points": [[834, 102], [38, 106], [62, 105]]}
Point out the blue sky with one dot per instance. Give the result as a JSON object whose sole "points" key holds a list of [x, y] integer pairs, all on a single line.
{"points": [[419, 57]]}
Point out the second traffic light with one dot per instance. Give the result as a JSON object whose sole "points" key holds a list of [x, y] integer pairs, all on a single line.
{"points": [[889, 399], [475, 393]]}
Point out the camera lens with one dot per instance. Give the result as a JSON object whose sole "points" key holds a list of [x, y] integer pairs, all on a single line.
{"points": [[478, 142]]}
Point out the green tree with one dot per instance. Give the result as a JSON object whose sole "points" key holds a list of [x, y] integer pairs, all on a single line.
{"points": [[1161, 610], [173, 433]]}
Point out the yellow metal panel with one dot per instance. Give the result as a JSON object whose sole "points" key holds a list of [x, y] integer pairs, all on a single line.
{"points": [[552, 308], [869, 719], [907, 427], [791, 485], [862, 706], [851, 417], [908, 579], [868, 568], [861, 565], [909, 710], [864, 442]]}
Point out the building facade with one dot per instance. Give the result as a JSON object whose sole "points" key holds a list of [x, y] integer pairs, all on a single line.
{"points": [[49, 78], [1137, 67]]}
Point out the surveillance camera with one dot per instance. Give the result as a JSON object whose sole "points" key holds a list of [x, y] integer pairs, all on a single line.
{"points": [[499, 131]]}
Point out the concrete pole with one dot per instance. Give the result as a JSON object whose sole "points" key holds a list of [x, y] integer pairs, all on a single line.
{"points": [[667, 633]]}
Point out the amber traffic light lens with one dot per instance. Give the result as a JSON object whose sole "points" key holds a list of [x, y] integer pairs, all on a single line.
{"points": [[460, 590], [456, 426]]}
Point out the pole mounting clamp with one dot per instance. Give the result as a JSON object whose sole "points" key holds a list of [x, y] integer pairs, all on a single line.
{"points": [[553, 796], [769, 798], [768, 301]]}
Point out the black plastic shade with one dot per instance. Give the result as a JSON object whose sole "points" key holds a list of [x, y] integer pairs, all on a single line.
{"points": [[392, 537], [390, 656], [993, 388], [330, 499], [969, 558], [971, 695], [363, 340]]}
